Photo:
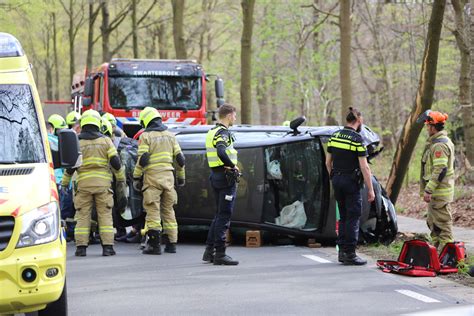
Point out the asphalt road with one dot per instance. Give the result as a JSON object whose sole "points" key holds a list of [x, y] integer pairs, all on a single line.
{"points": [[269, 280]]}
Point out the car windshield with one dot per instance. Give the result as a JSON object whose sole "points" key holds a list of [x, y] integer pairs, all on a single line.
{"points": [[20, 135], [165, 93]]}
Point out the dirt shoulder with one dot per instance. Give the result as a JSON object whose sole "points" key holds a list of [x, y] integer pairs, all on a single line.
{"points": [[410, 204]]}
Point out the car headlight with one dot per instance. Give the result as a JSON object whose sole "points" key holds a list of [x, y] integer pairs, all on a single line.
{"points": [[39, 226]]}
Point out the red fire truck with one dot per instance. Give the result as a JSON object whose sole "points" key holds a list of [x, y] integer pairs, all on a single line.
{"points": [[123, 87]]}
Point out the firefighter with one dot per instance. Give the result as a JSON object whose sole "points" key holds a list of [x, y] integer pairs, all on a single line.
{"points": [[346, 162], [94, 180], [73, 119], [66, 194], [54, 124], [437, 177], [117, 130], [158, 150], [119, 184], [222, 159]]}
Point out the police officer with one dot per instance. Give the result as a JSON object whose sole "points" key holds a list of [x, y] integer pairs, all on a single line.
{"points": [[158, 151], [437, 177], [346, 161], [94, 180], [222, 159]]}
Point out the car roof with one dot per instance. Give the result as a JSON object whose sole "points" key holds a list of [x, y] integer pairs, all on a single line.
{"points": [[193, 137]]}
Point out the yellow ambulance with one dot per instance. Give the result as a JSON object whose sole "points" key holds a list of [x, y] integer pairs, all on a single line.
{"points": [[32, 244]]}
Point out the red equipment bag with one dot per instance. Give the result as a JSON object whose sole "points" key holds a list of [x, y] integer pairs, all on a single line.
{"points": [[417, 258], [452, 253]]}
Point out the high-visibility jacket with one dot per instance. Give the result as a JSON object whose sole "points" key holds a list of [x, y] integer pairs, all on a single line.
{"points": [[217, 134], [95, 170], [437, 167], [163, 149]]}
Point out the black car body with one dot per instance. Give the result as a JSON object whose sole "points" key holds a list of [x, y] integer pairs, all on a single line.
{"points": [[285, 186]]}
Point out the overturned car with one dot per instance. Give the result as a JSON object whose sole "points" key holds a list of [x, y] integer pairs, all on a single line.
{"points": [[285, 186]]}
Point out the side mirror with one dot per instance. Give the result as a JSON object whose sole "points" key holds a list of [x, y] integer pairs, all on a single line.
{"points": [[219, 91], [294, 124], [69, 151], [89, 87]]}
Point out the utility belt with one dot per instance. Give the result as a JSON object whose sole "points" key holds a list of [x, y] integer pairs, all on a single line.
{"points": [[355, 175], [232, 175]]}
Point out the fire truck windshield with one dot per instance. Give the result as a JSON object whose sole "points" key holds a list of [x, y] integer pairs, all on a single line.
{"points": [[165, 93]]}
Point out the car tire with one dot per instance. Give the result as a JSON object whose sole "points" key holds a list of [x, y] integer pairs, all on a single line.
{"points": [[58, 307]]}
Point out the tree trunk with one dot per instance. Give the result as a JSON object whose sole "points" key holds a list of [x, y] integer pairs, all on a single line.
{"points": [[468, 119], [462, 41], [424, 99], [71, 42], [178, 29], [105, 31], [48, 70], [246, 61], [134, 29], [56, 63], [90, 37], [262, 100], [345, 57], [275, 116], [162, 41]]}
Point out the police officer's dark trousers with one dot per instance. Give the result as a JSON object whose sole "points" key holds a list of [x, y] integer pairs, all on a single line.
{"points": [[349, 200], [224, 193]]}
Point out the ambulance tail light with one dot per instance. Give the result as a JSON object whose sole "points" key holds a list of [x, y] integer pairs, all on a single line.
{"points": [[39, 226]]}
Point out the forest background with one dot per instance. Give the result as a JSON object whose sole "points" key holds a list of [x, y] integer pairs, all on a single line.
{"points": [[279, 58]]}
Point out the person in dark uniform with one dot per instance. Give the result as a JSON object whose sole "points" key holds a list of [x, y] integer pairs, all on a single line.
{"points": [[222, 159], [346, 162]]}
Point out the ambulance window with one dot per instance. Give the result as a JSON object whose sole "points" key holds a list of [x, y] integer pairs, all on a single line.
{"points": [[20, 134]]}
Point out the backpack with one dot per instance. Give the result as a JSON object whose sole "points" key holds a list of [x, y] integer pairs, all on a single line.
{"points": [[452, 253], [418, 258]]}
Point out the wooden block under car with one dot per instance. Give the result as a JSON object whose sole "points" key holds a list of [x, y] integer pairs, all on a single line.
{"points": [[253, 238]]}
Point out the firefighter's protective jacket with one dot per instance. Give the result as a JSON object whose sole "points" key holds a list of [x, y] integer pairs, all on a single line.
{"points": [[437, 167]]}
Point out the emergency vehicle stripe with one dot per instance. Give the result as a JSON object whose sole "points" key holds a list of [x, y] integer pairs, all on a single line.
{"points": [[2, 201]]}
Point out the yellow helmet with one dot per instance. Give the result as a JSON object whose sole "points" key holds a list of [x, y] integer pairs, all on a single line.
{"points": [[57, 121], [109, 117], [72, 118], [91, 117], [147, 115], [106, 127]]}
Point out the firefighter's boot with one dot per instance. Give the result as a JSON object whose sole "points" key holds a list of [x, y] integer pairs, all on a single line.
{"points": [[153, 244], [351, 259], [221, 258], [208, 255], [108, 250], [81, 251], [170, 247]]}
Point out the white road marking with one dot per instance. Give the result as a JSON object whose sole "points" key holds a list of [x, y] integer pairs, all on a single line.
{"points": [[417, 296], [316, 258]]}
